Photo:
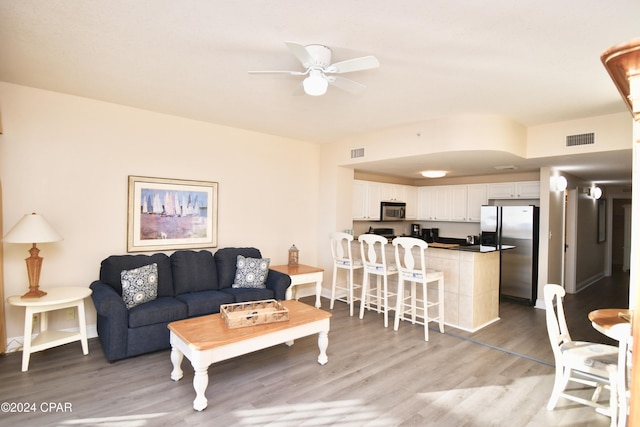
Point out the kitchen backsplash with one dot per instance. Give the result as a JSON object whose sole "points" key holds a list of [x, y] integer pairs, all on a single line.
{"points": [[447, 229]]}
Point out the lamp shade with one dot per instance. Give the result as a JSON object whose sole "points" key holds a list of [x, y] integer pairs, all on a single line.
{"points": [[32, 228]]}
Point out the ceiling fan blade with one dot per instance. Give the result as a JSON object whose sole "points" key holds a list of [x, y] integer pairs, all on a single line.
{"points": [[346, 84], [356, 64], [292, 73], [300, 52]]}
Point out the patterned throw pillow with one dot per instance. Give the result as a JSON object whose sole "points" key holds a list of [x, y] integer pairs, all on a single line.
{"points": [[251, 272], [139, 285]]}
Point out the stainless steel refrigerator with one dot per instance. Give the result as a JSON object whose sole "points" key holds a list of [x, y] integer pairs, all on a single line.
{"points": [[517, 226]]}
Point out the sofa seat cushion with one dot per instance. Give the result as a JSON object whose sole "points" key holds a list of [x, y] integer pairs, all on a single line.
{"points": [[249, 294], [205, 302], [193, 271], [162, 309]]}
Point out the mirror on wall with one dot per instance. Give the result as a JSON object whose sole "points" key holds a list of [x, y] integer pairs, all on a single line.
{"points": [[602, 220]]}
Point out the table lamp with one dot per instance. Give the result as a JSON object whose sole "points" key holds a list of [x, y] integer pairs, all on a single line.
{"points": [[32, 228]]}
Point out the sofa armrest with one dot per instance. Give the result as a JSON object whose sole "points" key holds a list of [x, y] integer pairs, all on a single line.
{"points": [[112, 321], [278, 282]]}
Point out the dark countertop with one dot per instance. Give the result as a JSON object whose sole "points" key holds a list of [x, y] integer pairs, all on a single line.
{"points": [[481, 248]]}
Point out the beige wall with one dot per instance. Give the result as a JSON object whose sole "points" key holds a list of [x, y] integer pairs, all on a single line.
{"points": [[612, 132], [68, 158]]}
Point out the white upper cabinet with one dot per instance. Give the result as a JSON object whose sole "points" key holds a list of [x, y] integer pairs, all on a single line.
{"points": [[451, 202], [458, 203], [392, 193], [437, 203], [476, 197], [514, 190], [434, 203], [411, 198], [366, 200]]}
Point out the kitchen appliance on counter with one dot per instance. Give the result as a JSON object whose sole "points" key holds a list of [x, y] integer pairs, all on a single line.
{"points": [[392, 211], [430, 235], [388, 233], [514, 226], [415, 230]]}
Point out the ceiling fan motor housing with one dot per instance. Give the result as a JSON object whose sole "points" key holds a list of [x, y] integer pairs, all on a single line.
{"points": [[321, 55]]}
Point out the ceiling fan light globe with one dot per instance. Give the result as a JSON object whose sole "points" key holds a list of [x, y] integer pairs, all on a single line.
{"points": [[315, 85]]}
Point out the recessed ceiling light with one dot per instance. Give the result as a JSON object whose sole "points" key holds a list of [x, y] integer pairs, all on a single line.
{"points": [[433, 174]]}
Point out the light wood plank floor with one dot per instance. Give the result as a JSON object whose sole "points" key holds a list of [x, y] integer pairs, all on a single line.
{"points": [[499, 376]]}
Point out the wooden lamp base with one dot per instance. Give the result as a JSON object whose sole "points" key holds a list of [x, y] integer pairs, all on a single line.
{"points": [[34, 264]]}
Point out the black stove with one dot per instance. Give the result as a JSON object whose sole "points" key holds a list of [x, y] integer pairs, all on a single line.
{"points": [[389, 233]]}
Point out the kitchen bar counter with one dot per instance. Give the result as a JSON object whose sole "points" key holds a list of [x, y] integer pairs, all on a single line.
{"points": [[471, 282], [482, 248]]}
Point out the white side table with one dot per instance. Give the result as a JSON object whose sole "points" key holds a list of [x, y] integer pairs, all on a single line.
{"points": [[56, 299], [301, 274]]}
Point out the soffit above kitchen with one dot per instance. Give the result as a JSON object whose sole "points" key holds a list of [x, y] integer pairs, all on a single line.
{"points": [[532, 64]]}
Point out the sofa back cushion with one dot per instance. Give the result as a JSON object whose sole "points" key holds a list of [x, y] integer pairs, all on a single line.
{"points": [[111, 267], [194, 271], [226, 259]]}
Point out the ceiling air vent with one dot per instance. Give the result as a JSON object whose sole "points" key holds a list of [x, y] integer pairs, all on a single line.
{"points": [[358, 152], [582, 139]]}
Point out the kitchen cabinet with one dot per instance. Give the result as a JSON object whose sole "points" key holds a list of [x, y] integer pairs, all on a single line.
{"points": [[434, 203], [514, 190], [367, 196], [459, 203], [366, 200], [411, 198], [476, 197], [392, 193], [451, 202]]}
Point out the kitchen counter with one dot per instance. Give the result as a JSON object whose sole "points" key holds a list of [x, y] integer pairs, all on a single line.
{"points": [[483, 248], [471, 282]]}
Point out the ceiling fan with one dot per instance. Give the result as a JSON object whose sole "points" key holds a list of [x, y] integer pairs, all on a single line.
{"points": [[316, 58]]}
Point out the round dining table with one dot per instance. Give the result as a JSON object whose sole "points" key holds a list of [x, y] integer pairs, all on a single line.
{"points": [[604, 318]]}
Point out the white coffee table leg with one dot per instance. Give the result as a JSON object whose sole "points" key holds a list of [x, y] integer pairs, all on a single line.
{"points": [[200, 382], [323, 343], [318, 292], [176, 361]]}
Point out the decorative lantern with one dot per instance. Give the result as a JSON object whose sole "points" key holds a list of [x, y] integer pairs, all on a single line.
{"points": [[293, 255]]}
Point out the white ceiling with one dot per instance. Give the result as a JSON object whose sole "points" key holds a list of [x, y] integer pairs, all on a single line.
{"points": [[534, 62]]}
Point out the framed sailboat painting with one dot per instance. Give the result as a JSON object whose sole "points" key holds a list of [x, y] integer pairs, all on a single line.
{"points": [[168, 214]]}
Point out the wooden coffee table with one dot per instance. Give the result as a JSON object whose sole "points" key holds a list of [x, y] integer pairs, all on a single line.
{"points": [[205, 340]]}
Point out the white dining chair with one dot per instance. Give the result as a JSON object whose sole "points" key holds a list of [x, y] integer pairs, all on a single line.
{"points": [[582, 362], [413, 271], [343, 260], [374, 261], [620, 377]]}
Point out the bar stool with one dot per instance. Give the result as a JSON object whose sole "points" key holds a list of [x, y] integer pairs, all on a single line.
{"points": [[406, 264], [372, 249], [342, 259]]}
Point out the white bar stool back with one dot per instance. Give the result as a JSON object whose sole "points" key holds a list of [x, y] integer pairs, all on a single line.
{"points": [[343, 259], [372, 249], [407, 249]]}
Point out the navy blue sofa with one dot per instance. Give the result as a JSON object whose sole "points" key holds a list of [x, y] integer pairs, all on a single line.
{"points": [[190, 284]]}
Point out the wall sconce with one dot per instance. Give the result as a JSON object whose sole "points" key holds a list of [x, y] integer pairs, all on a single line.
{"points": [[558, 183], [593, 192]]}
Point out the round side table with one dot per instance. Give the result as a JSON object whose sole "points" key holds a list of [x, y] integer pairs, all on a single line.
{"points": [[56, 299]]}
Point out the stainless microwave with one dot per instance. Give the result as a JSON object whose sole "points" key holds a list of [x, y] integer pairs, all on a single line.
{"points": [[392, 211]]}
